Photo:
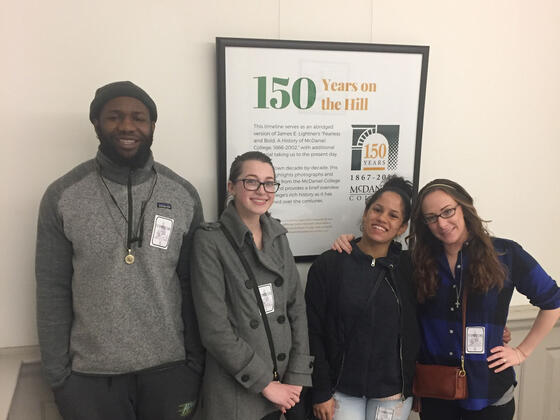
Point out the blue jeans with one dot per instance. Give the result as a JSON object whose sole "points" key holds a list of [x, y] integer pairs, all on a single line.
{"points": [[362, 408]]}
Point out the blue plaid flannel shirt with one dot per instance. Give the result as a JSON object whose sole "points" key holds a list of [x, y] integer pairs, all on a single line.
{"points": [[441, 321]]}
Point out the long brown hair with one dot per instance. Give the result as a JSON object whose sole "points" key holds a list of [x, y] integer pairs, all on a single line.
{"points": [[484, 271]]}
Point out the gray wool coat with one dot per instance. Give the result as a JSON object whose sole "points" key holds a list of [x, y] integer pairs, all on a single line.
{"points": [[238, 359]]}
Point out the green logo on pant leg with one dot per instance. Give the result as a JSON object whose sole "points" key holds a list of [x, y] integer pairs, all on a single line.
{"points": [[186, 408]]}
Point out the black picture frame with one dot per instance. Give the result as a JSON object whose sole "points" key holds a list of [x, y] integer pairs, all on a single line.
{"points": [[355, 52]]}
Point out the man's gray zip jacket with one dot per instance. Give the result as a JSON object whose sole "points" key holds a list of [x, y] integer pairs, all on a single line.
{"points": [[97, 314]]}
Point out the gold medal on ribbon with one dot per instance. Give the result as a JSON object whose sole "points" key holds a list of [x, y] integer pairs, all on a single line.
{"points": [[129, 259]]}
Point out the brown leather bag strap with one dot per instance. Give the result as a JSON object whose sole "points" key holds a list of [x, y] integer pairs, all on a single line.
{"points": [[464, 303]]}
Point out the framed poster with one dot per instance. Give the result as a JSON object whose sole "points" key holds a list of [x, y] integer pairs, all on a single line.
{"points": [[335, 118]]}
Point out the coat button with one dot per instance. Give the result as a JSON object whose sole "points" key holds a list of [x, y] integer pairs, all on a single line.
{"points": [[249, 284], [244, 378], [281, 357], [279, 282], [254, 323], [281, 319]]}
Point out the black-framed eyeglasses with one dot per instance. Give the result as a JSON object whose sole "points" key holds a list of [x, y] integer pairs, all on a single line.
{"points": [[251, 184], [446, 214]]}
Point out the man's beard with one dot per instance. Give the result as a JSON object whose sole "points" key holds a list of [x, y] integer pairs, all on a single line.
{"points": [[138, 160]]}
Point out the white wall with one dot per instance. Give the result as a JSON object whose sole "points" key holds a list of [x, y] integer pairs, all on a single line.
{"points": [[491, 119]]}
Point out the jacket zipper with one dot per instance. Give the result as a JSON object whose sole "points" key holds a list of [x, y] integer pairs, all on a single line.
{"points": [[400, 335], [333, 389], [129, 227]]}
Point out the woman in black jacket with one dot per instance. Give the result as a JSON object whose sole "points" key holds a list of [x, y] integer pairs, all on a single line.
{"points": [[361, 311]]}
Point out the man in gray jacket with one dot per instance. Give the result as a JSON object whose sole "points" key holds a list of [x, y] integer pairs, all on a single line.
{"points": [[117, 330]]}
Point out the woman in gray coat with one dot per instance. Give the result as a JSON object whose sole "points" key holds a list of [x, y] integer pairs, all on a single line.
{"points": [[239, 382]]}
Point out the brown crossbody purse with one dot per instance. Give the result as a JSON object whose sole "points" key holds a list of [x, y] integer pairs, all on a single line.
{"points": [[443, 382]]}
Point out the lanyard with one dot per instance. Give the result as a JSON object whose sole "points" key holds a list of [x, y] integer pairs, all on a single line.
{"points": [[132, 233]]}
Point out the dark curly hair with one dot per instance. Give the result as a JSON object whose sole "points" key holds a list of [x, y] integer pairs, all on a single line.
{"points": [[484, 271], [396, 184]]}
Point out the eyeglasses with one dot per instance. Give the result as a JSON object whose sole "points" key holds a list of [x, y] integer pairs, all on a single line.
{"points": [[446, 214], [251, 184]]}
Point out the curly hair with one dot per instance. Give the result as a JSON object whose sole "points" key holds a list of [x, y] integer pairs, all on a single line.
{"points": [[484, 271], [396, 184]]}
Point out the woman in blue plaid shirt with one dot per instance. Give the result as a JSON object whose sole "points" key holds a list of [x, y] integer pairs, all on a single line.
{"points": [[452, 251]]}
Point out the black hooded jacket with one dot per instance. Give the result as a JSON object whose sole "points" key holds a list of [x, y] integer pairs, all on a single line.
{"points": [[362, 351]]}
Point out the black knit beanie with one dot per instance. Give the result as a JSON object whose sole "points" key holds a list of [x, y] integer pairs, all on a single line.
{"points": [[113, 90]]}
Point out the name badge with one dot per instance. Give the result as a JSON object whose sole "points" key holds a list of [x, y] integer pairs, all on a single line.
{"points": [[267, 296], [384, 413], [163, 226], [475, 340]]}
